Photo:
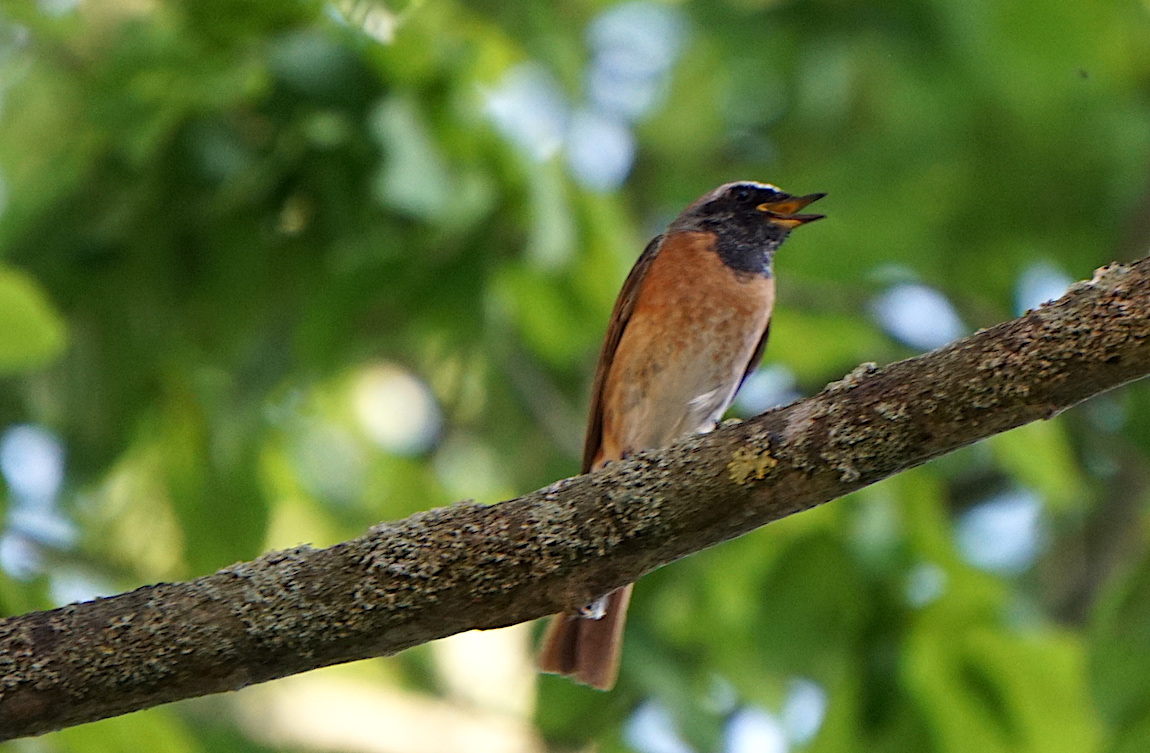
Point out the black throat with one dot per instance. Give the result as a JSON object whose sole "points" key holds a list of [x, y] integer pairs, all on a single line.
{"points": [[748, 246]]}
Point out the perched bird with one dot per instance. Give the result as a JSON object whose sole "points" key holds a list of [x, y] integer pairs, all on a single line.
{"points": [[688, 327]]}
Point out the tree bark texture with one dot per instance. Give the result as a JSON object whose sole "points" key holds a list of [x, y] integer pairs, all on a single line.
{"points": [[470, 566]]}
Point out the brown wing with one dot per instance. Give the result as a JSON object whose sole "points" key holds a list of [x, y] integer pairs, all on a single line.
{"points": [[757, 355], [624, 306]]}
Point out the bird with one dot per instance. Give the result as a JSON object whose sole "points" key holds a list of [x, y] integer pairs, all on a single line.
{"points": [[690, 324]]}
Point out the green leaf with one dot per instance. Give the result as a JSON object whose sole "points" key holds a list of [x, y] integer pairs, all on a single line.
{"points": [[1132, 738], [815, 345], [415, 178], [812, 605], [212, 483], [157, 730], [546, 312], [32, 333], [1042, 679], [1120, 647], [985, 689], [1038, 455]]}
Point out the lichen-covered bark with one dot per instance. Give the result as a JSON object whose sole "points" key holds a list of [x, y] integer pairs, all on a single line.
{"points": [[469, 566]]}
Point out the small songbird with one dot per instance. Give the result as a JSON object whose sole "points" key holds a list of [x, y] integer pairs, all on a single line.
{"points": [[688, 327]]}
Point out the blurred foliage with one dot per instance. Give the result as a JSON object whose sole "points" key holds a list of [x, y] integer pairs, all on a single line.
{"points": [[220, 218]]}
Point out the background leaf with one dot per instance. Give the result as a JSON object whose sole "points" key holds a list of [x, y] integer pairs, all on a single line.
{"points": [[34, 333]]}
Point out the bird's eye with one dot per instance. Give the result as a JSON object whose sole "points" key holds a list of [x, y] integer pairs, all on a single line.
{"points": [[743, 194]]}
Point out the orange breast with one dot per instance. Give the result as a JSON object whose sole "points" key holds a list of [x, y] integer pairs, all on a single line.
{"points": [[694, 327]]}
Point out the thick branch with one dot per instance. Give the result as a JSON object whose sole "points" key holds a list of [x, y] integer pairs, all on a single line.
{"points": [[469, 566]]}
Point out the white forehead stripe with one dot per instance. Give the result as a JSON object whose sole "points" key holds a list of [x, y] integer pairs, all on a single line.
{"points": [[747, 183], [752, 184]]}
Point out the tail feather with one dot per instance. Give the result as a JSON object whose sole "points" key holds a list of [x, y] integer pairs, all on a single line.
{"points": [[584, 648]]}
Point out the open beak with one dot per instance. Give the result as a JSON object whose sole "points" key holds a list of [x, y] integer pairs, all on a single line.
{"points": [[784, 211]]}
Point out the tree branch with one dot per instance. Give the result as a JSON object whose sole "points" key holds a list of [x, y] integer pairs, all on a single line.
{"points": [[470, 566]]}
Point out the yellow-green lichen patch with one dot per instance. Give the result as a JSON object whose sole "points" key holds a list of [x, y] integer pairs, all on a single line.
{"points": [[749, 464]]}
